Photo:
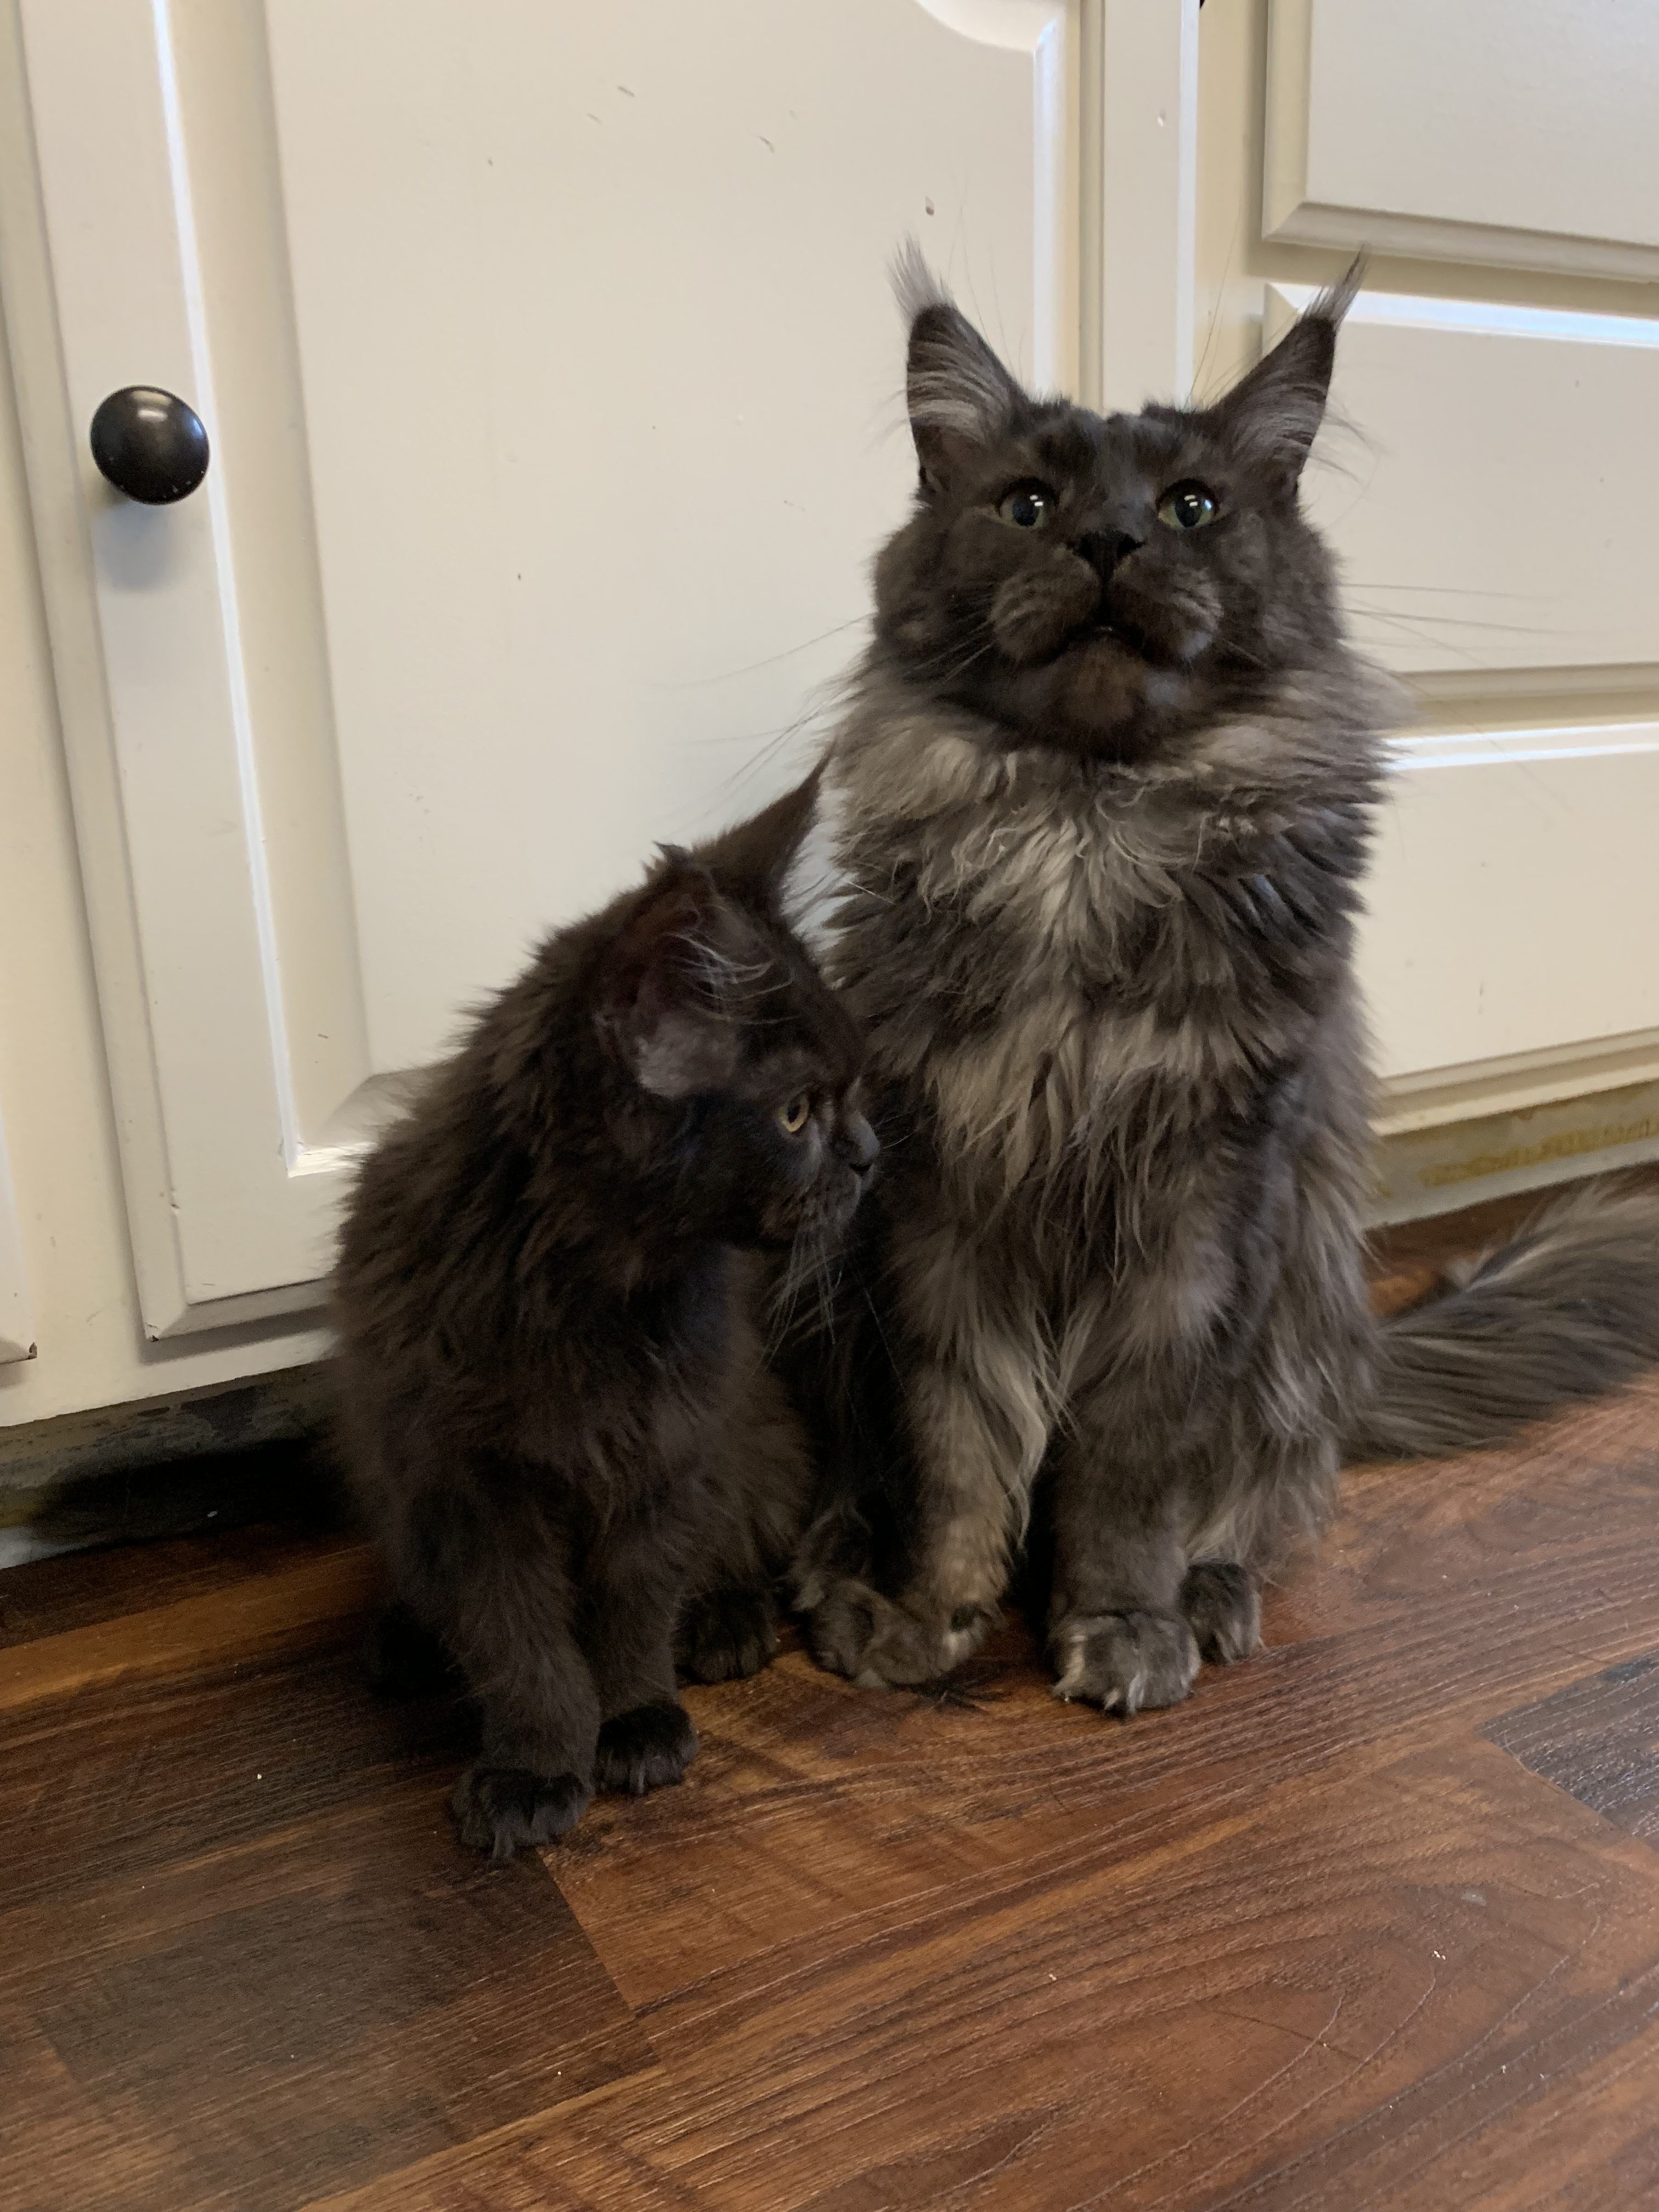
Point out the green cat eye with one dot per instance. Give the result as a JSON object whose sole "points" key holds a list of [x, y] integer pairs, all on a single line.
{"points": [[1029, 507], [1189, 506], [794, 1117]]}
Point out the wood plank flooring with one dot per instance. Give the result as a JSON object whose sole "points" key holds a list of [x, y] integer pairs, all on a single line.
{"points": [[1372, 1922]]}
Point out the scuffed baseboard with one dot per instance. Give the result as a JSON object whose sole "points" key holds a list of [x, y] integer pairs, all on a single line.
{"points": [[1442, 1169], [164, 1467]]}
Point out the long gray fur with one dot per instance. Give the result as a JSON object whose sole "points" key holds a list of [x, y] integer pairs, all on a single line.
{"points": [[1563, 1313]]}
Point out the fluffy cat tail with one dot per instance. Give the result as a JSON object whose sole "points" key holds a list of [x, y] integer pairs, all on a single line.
{"points": [[1567, 1311]]}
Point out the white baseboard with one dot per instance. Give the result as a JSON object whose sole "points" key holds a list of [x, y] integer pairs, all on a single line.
{"points": [[1458, 1164]]}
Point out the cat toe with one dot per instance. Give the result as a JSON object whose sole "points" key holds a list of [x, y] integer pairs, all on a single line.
{"points": [[726, 1635], [1124, 1661], [1222, 1610], [841, 1624], [857, 1632], [646, 1749], [501, 1809]]}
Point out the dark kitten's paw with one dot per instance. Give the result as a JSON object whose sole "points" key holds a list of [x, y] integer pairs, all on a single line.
{"points": [[857, 1632], [499, 1809], [1122, 1662], [645, 1749], [404, 1659], [1222, 1610], [726, 1634]]}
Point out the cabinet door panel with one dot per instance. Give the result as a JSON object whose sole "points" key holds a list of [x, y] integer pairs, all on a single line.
{"points": [[1494, 511], [1510, 131], [1513, 899]]}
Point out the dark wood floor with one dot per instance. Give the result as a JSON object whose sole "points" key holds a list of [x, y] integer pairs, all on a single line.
{"points": [[1373, 1921]]}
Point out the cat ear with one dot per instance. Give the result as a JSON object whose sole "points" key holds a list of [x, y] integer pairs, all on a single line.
{"points": [[1272, 417], [751, 860], [662, 1006], [960, 397]]}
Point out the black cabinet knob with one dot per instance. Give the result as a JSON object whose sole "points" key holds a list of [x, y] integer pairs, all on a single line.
{"points": [[149, 444]]}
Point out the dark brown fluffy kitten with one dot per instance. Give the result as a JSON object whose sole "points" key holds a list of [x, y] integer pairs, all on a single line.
{"points": [[557, 1416], [1102, 803]]}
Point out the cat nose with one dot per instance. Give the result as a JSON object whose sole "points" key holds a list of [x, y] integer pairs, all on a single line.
{"points": [[857, 1143], [1104, 548]]}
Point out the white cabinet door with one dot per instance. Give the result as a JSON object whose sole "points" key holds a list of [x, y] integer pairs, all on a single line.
{"points": [[554, 390], [1488, 482]]}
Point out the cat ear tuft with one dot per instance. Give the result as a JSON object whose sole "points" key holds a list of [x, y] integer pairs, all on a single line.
{"points": [[1272, 417], [751, 860], [960, 397], [1334, 302], [660, 1007]]}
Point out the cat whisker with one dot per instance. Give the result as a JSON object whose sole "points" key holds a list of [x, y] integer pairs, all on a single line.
{"points": [[1450, 590], [771, 660], [1421, 620]]}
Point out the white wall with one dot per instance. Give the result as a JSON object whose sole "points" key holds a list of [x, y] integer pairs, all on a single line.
{"points": [[54, 1094]]}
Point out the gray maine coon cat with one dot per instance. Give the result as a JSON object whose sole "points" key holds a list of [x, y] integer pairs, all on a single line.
{"points": [[1101, 809]]}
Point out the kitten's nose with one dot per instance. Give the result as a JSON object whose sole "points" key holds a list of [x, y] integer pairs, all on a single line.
{"points": [[1104, 548], [857, 1143]]}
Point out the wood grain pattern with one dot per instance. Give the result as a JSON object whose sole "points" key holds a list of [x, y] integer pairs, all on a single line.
{"points": [[1600, 1739], [1372, 1922], [239, 1953], [271, 1612]]}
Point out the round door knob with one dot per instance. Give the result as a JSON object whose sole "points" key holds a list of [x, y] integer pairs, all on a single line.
{"points": [[149, 444]]}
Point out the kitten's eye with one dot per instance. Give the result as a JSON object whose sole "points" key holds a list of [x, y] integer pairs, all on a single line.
{"points": [[1189, 506], [1029, 507], [794, 1117]]}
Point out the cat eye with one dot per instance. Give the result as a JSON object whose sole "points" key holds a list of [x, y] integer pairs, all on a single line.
{"points": [[1029, 507], [1189, 506], [794, 1117]]}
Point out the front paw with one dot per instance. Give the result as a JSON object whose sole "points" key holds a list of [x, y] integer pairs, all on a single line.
{"points": [[1221, 1605], [727, 1634], [1122, 1662], [857, 1632], [646, 1749], [500, 1809]]}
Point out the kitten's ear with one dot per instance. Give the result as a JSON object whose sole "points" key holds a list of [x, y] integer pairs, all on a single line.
{"points": [[960, 397], [1272, 417], [660, 1007], [751, 860]]}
